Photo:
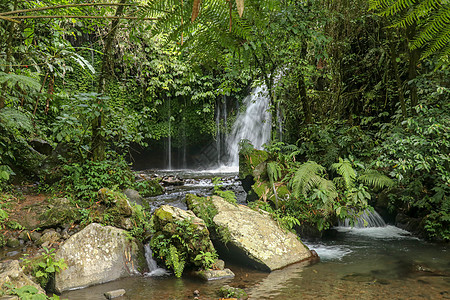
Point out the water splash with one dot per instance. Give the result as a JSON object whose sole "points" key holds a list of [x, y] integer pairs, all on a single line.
{"points": [[368, 218], [254, 124], [153, 268]]}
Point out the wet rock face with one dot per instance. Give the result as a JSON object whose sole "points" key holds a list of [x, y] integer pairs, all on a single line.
{"points": [[257, 237], [96, 255]]}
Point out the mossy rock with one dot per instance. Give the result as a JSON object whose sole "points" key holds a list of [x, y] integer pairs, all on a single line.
{"points": [[151, 188], [116, 200], [249, 159], [202, 208], [61, 212], [179, 238]]}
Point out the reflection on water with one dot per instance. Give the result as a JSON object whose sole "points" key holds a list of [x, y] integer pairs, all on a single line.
{"points": [[355, 264]]}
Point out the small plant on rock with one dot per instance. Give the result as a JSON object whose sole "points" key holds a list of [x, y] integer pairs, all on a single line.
{"points": [[47, 267]]}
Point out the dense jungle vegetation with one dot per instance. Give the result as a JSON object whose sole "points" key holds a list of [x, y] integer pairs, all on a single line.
{"points": [[359, 93]]}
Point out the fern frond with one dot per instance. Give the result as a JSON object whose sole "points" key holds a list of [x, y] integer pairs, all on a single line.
{"points": [[273, 171], [432, 18], [306, 178], [376, 179], [345, 169], [12, 79], [14, 119]]}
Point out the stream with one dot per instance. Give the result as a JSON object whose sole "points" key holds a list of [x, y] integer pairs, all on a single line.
{"points": [[356, 263]]}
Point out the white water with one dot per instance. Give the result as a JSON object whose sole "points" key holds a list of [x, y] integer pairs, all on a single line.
{"points": [[254, 124], [153, 268], [366, 219]]}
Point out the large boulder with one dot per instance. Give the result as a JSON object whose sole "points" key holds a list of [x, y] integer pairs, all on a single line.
{"points": [[98, 254], [11, 274], [253, 237]]}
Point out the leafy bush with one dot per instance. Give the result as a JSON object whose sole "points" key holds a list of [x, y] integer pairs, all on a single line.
{"points": [[84, 180], [416, 152], [47, 266]]}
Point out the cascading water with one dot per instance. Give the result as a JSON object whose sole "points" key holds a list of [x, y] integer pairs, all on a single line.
{"points": [[218, 135], [169, 147], [153, 269], [368, 218], [254, 124]]}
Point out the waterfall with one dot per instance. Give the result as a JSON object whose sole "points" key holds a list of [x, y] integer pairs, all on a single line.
{"points": [[279, 122], [153, 269], [169, 147], [254, 124], [368, 218], [218, 139]]}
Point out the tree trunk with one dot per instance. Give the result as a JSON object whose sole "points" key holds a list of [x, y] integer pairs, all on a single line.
{"points": [[393, 56], [98, 138], [8, 58], [414, 56], [302, 90]]}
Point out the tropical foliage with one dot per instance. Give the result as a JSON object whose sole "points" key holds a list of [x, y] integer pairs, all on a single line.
{"points": [[353, 104]]}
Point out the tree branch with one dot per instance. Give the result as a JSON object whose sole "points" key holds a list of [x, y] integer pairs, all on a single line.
{"points": [[13, 18], [63, 6]]}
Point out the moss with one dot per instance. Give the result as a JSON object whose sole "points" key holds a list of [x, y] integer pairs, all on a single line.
{"points": [[150, 188], [61, 212], [163, 215], [249, 159], [202, 208]]}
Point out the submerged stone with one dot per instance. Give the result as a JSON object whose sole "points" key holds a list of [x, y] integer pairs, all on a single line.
{"points": [[114, 294], [209, 275], [227, 291]]}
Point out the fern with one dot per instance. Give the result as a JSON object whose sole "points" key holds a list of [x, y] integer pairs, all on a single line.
{"points": [[345, 169], [375, 179], [175, 261], [432, 17], [309, 176], [15, 121], [23, 81]]}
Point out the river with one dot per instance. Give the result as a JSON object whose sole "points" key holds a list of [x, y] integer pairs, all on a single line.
{"points": [[356, 263]]}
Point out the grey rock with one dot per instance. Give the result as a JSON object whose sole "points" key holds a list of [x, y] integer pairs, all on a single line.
{"points": [[13, 242], [133, 196], [114, 294], [257, 237], [48, 238], [11, 273], [209, 275], [98, 254], [35, 236], [219, 264]]}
